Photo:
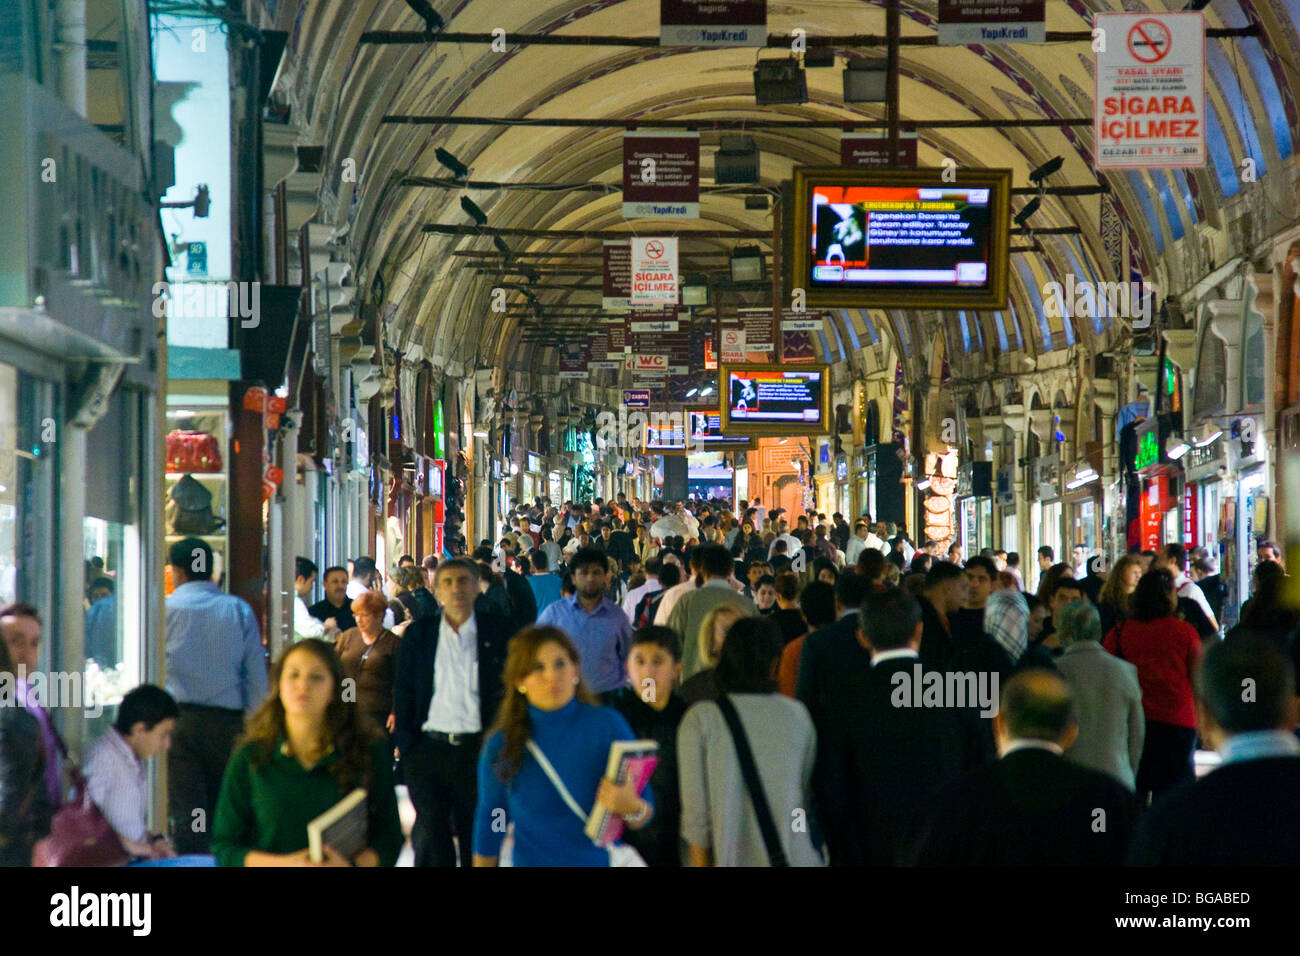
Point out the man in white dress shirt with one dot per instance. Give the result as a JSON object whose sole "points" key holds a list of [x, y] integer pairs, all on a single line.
{"points": [[304, 625], [116, 775], [446, 693], [1173, 558]]}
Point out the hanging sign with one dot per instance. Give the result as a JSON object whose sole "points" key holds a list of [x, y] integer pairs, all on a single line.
{"points": [[616, 334], [964, 22], [654, 271], [661, 175], [712, 22], [616, 291], [573, 359], [733, 345], [757, 324], [870, 150], [1150, 102], [598, 353]]}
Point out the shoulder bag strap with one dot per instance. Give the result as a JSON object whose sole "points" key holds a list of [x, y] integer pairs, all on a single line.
{"points": [[757, 796], [554, 777]]}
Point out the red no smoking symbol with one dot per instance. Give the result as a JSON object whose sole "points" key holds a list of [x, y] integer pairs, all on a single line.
{"points": [[654, 248], [1149, 41]]}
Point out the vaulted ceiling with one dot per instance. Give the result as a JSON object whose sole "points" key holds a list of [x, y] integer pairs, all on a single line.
{"points": [[339, 90]]}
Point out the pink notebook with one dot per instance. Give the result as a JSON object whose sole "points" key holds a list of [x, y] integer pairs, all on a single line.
{"points": [[628, 760]]}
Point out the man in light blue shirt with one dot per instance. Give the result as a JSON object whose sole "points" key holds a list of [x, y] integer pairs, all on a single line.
{"points": [[216, 671], [546, 586], [101, 624], [594, 623]]}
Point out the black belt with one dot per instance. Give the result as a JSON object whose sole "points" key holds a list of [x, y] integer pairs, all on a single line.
{"points": [[455, 740]]}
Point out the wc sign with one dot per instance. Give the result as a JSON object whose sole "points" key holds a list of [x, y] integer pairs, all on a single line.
{"points": [[1150, 103]]}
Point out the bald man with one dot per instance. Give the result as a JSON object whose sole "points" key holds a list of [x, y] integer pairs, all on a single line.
{"points": [[1032, 807]]}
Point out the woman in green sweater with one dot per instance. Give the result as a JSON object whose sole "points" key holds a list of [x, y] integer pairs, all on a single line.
{"points": [[303, 751]]}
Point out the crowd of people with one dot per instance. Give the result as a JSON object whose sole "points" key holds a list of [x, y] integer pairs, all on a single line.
{"points": [[819, 692]]}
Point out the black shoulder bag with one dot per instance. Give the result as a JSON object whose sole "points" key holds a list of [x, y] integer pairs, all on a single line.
{"points": [[771, 840]]}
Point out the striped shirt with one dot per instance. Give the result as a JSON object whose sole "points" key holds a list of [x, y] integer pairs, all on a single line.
{"points": [[214, 649], [119, 785]]}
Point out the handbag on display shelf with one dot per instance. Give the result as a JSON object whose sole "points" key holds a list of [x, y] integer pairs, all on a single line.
{"points": [[189, 509], [80, 835], [193, 452]]}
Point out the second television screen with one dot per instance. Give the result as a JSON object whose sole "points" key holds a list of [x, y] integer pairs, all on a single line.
{"points": [[775, 396]]}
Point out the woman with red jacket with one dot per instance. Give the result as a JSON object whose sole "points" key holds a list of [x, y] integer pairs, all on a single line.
{"points": [[1165, 650]]}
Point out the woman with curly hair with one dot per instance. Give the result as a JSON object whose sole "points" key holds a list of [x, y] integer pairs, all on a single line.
{"points": [[547, 709], [303, 751]]}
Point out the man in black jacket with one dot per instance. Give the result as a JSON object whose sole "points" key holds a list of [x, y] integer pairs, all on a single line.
{"points": [[523, 602], [1032, 807], [442, 711], [1236, 815], [879, 757], [832, 654], [946, 589]]}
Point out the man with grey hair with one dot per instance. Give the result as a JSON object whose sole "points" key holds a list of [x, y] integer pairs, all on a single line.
{"points": [[1032, 807], [1107, 697]]}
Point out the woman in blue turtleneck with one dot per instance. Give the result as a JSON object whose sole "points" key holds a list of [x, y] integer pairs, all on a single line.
{"points": [[547, 703]]}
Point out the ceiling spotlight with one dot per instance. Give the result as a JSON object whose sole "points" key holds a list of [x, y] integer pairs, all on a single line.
{"points": [[819, 56], [691, 393], [708, 390], [1178, 450], [1031, 207], [458, 169], [783, 440], [865, 79], [424, 9], [747, 264], [736, 160], [780, 81], [473, 211], [1045, 170]]}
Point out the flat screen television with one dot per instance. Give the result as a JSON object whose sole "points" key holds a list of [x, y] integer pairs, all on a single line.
{"points": [[665, 433], [704, 427], [767, 399], [901, 238]]}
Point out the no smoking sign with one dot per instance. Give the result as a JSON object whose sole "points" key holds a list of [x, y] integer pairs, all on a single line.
{"points": [[1149, 41], [1150, 95]]}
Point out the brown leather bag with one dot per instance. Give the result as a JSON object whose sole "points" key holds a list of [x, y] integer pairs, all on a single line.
{"points": [[80, 835]]}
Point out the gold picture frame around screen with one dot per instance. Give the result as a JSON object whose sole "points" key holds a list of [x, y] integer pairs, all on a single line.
{"points": [[731, 443], [749, 427], [992, 296]]}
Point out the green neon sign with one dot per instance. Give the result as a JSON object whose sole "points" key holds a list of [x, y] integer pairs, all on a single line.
{"points": [[1148, 452], [439, 432]]}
